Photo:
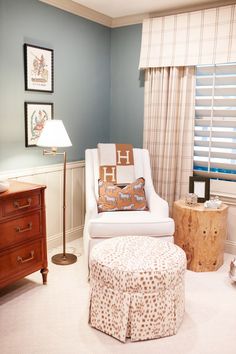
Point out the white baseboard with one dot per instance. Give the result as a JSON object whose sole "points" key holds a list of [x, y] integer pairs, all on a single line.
{"points": [[230, 247], [72, 234]]}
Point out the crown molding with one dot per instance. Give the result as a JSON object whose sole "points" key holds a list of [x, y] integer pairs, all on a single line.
{"points": [[129, 20], [83, 11], [80, 10], [195, 7]]}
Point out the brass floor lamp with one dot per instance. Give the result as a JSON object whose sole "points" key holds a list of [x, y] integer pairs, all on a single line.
{"points": [[54, 135]]}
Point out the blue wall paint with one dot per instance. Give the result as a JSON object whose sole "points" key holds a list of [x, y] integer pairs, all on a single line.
{"points": [[127, 92], [98, 91], [82, 79]]}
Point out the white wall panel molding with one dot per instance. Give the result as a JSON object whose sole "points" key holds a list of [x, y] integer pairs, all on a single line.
{"points": [[52, 177], [230, 247], [40, 170], [226, 190], [72, 234]]}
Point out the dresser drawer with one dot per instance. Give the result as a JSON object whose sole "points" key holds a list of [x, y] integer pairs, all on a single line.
{"points": [[20, 229], [15, 206], [21, 260]]}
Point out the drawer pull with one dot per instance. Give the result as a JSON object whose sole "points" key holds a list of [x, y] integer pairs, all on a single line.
{"points": [[28, 228], [24, 260], [18, 206]]}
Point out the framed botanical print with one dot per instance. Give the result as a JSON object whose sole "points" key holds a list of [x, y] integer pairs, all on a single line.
{"points": [[36, 114], [38, 63]]}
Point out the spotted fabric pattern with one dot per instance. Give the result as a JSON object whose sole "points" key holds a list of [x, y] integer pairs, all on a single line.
{"points": [[137, 287]]}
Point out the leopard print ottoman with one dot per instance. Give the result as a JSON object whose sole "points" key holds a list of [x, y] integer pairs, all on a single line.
{"points": [[137, 287]]}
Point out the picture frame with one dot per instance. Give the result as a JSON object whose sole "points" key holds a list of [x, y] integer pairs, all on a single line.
{"points": [[200, 186], [36, 114], [38, 66]]}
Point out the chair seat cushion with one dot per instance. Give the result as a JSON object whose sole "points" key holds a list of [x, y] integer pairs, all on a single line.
{"points": [[133, 223]]}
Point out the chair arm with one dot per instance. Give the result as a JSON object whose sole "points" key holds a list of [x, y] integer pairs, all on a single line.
{"points": [[157, 205], [91, 205]]}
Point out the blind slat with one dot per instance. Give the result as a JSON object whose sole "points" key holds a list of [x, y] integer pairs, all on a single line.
{"points": [[227, 156], [215, 144], [226, 166], [215, 121], [214, 134], [227, 122], [212, 174]]}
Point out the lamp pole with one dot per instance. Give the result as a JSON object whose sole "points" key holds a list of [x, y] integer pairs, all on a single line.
{"points": [[64, 206], [62, 258], [54, 135]]}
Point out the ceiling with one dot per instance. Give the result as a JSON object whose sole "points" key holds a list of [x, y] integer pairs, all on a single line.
{"points": [[121, 8], [118, 13]]}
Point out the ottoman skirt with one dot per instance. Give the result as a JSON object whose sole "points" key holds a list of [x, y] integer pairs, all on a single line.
{"points": [[137, 288]]}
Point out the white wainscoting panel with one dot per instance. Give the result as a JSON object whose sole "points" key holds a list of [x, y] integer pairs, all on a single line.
{"points": [[52, 177], [230, 243], [226, 190]]}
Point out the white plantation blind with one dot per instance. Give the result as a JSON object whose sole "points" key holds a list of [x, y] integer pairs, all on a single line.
{"points": [[215, 121], [189, 39]]}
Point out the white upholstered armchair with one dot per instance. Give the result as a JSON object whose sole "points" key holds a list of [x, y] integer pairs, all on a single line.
{"points": [[99, 226]]}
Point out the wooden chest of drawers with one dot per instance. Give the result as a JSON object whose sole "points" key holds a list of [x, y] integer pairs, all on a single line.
{"points": [[23, 248]]}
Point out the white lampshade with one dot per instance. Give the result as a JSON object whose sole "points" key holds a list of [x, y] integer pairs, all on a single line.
{"points": [[54, 135]]}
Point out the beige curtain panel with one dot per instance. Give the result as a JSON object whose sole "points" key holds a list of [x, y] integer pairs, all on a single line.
{"points": [[169, 128], [193, 38]]}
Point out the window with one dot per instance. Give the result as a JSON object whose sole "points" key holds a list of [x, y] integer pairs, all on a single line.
{"points": [[215, 121]]}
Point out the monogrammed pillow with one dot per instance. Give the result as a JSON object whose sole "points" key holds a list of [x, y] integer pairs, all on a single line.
{"points": [[114, 198]]}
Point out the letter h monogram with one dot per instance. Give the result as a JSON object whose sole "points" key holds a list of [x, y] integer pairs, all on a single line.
{"points": [[123, 157], [109, 174]]}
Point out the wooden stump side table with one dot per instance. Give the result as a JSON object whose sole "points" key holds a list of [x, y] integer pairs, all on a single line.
{"points": [[201, 233]]}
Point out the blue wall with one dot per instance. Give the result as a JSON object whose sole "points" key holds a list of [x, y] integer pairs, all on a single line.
{"points": [[98, 91], [82, 79], [127, 92]]}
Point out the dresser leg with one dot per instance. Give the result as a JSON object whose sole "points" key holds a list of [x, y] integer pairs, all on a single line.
{"points": [[44, 273]]}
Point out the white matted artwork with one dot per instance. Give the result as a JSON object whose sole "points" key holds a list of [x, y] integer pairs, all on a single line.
{"points": [[38, 63], [199, 189], [36, 114]]}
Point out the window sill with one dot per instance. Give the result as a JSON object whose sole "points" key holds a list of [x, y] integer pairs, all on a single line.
{"points": [[226, 190]]}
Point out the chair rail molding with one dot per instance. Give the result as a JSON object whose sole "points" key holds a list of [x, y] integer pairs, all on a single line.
{"points": [[52, 177]]}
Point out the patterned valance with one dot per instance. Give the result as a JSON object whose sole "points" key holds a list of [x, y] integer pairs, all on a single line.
{"points": [[199, 37]]}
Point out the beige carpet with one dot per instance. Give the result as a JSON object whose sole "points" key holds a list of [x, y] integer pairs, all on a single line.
{"points": [[52, 319]]}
